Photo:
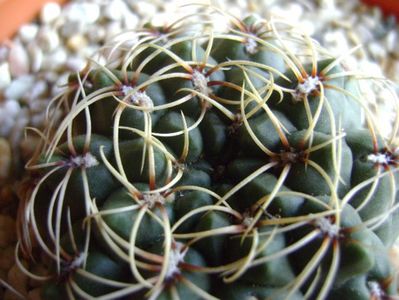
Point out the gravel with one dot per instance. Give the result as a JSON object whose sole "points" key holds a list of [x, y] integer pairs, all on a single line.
{"points": [[35, 63]]}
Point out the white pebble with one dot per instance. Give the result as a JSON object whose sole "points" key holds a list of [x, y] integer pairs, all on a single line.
{"points": [[59, 85], [18, 60], [50, 12], [7, 125], [85, 12], [8, 115], [5, 76], [95, 33], [48, 39], [28, 32], [12, 107], [50, 76], [144, 8], [364, 32], [75, 63], [70, 28], [55, 60], [372, 68], [307, 26], [377, 50], [38, 89], [36, 57], [92, 12], [38, 106], [130, 20], [76, 42], [89, 51], [112, 29], [19, 87], [391, 41], [20, 123], [38, 119], [115, 10]]}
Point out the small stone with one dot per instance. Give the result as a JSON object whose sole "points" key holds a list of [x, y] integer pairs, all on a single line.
{"points": [[112, 29], [95, 33], [28, 32], [36, 57], [307, 26], [9, 111], [18, 60], [144, 8], [130, 20], [48, 39], [391, 41], [5, 159], [5, 76], [370, 67], [55, 60], [88, 51], [75, 63], [115, 10], [51, 76], [19, 87], [377, 50], [71, 28], [364, 33], [50, 12], [85, 12], [38, 120], [39, 89], [20, 122], [76, 42], [59, 84]]}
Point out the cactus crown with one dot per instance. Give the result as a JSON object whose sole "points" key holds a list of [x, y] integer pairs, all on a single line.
{"points": [[200, 163]]}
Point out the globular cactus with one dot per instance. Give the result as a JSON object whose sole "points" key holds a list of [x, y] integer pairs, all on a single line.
{"points": [[201, 163]]}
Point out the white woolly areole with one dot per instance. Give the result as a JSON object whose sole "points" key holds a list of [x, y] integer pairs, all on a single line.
{"points": [[176, 256], [251, 46], [200, 82], [375, 289], [308, 86], [380, 158], [137, 98], [152, 199], [87, 160], [327, 228], [77, 262], [247, 221]]}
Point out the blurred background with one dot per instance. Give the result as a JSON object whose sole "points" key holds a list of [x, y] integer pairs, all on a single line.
{"points": [[41, 42]]}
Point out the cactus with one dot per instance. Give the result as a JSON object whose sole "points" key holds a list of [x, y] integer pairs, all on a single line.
{"points": [[214, 164]]}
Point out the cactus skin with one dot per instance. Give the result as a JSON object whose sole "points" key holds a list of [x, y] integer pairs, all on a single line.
{"points": [[214, 165]]}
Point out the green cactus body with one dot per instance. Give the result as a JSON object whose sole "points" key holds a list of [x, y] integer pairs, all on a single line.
{"points": [[240, 163]]}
